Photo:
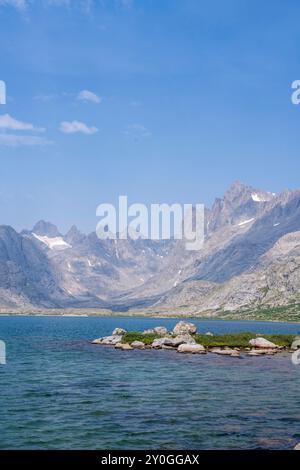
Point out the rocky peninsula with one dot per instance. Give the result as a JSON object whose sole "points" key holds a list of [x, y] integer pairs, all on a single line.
{"points": [[184, 338]]}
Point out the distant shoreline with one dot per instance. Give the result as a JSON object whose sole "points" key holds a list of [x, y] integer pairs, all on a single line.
{"points": [[279, 314]]}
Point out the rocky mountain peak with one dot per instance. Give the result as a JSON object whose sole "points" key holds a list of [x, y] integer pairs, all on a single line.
{"points": [[240, 203], [237, 191], [74, 235], [43, 228]]}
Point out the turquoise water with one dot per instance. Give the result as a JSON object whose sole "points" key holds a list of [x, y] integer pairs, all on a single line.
{"points": [[58, 391]]}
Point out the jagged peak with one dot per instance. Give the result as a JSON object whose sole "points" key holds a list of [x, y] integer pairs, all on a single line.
{"points": [[44, 228], [74, 235]]}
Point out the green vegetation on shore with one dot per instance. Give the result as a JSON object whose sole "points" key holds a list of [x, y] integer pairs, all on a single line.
{"points": [[240, 340], [288, 313], [147, 339], [232, 340]]}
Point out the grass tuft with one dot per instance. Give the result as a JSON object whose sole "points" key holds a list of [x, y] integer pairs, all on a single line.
{"points": [[131, 336], [240, 340]]}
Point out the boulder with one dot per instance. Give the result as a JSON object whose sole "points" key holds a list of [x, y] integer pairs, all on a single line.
{"points": [[138, 345], [173, 342], [296, 344], [123, 346], [226, 352], [148, 332], [160, 342], [160, 330], [119, 331], [235, 353], [182, 339], [297, 447], [258, 352], [109, 340], [184, 327], [191, 348], [262, 343]]}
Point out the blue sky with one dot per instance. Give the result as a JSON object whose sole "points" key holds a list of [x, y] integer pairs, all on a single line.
{"points": [[163, 101]]}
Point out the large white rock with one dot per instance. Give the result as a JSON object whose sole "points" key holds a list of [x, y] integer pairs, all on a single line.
{"points": [[138, 344], [173, 342], [183, 339], [119, 331], [184, 327], [160, 342], [160, 330], [191, 348], [262, 343], [297, 447], [108, 340]]}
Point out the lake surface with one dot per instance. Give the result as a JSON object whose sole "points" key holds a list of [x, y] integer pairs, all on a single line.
{"points": [[58, 391]]}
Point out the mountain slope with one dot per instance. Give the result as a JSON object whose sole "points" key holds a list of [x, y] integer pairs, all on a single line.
{"points": [[250, 258]]}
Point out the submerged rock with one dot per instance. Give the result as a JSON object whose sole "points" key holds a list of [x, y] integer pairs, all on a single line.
{"points": [[119, 331], [184, 327], [138, 345], [262, 343], [108, 340], [191, 348]]}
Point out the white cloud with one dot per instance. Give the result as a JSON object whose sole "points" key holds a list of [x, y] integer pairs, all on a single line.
{"points": [[86, 95], [77, 126], [15, 140], [18, 4], [7, 122]]}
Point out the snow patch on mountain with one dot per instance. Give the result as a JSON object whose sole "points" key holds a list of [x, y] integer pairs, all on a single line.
{"points": [[53, 242], [262, 197], [245, 222]]}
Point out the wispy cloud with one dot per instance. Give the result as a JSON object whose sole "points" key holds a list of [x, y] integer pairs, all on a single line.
{"points": [[18, 4], [85, 5], [7, 122], [86, 95], [16, 140], [77, 126]]}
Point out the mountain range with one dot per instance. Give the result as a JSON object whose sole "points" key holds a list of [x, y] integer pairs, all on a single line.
{"points": [[250, 259]]}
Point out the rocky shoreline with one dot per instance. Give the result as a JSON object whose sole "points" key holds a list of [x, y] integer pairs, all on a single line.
{"points": [[185, 339]]}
